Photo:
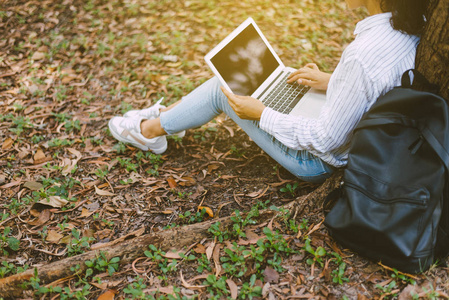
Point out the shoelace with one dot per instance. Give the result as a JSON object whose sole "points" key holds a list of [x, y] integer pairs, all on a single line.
{"points": [[130, 124]]}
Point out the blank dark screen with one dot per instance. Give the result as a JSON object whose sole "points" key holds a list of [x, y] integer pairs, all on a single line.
{"points": [[245, 63]]}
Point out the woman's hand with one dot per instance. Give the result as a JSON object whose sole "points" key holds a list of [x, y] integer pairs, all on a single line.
{"points": [[245, 107], [310, 75]]}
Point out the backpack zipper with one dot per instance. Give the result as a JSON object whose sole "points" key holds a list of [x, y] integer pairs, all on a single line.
{"points": [[389, 201]]}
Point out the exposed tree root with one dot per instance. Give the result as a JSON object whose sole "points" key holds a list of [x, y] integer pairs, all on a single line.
{"points": [[176, 238]]}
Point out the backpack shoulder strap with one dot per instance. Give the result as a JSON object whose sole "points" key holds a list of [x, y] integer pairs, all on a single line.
{"points": [[439, 149], [412, 78]]}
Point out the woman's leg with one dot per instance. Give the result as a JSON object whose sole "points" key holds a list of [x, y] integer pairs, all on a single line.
{"points": [[208, 101]]}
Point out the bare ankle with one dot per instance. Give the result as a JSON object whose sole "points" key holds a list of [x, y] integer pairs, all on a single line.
{"points": [[151, 128]]}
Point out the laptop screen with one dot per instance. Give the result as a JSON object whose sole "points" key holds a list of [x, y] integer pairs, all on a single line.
{"points": [[245, 62]]}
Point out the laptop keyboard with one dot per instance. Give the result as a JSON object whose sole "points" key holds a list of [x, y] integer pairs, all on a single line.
{"points": [[284, 97]]}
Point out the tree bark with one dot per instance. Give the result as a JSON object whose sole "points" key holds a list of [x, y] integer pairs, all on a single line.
{"points": [[432, 58]]}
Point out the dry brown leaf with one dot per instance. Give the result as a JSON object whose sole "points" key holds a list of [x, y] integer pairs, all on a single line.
{"points": [[7, 144], [33, 185], [68, 78], [187, 285], [75, 152], [258, 194], [68, 166], [103, 192], [216, 257], [86, 213], [164, 290], [54, 201], [270, 275], [231, 131], [315, 228], [250, 241], [53, 236], [187, 181], [40, 157], [208, 210], [38, 56], [108, 295], [105, 233], [173, 254], [172, 183], [363, 297], [233, 288], [102, 286], [251, 235], [225, 177], [210, 250], [253, 194], [44, 216], [135, 177], [212, 167], [200, 249]]}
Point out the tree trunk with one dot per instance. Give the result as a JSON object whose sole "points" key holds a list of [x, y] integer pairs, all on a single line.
{"points": [[432, 58]]}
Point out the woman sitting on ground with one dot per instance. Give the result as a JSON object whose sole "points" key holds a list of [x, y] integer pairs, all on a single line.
{"points": [[310, 148]]}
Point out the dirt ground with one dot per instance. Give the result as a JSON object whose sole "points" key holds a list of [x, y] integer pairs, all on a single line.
{"points": [[66, 186]]}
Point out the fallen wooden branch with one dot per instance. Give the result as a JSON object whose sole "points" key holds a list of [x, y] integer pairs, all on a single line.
{"points": [[129, 250]]}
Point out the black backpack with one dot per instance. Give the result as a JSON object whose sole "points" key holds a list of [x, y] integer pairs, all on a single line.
{"points": [[393, 206]]}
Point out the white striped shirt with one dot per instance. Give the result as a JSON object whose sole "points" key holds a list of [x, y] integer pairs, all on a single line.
{"points": [[369, 67]]}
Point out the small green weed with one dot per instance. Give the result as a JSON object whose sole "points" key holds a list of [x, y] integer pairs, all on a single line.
{"points": [[10, 269], [290, 189], [339, 272], [250, 290], [102, 264], [190, 218], [126, 162], [19, 123], [120, 147], [216, 286], [234, 262], [387, 290], [221, 235], [8, 242], [317, 253], [101, 173], [78, 245], [41, 290], [203, 133], [125, 107], [58, 143], [72, 125], [203, 264]]}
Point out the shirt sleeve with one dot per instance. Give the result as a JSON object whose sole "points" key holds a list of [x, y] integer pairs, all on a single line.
{"points": [[347, 99]]}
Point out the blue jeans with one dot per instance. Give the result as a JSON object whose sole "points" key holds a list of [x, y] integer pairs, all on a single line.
{"points": [[208, 101]]}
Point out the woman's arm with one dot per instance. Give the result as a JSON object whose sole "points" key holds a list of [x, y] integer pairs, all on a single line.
{"points": [[349, 94]]}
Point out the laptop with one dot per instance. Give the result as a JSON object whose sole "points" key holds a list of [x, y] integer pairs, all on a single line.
{"points": [[246, 64]]}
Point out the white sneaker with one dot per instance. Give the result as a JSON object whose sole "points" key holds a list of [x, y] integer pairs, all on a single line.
{"points": [[148, 113], [127, 130], [151, 113]]}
